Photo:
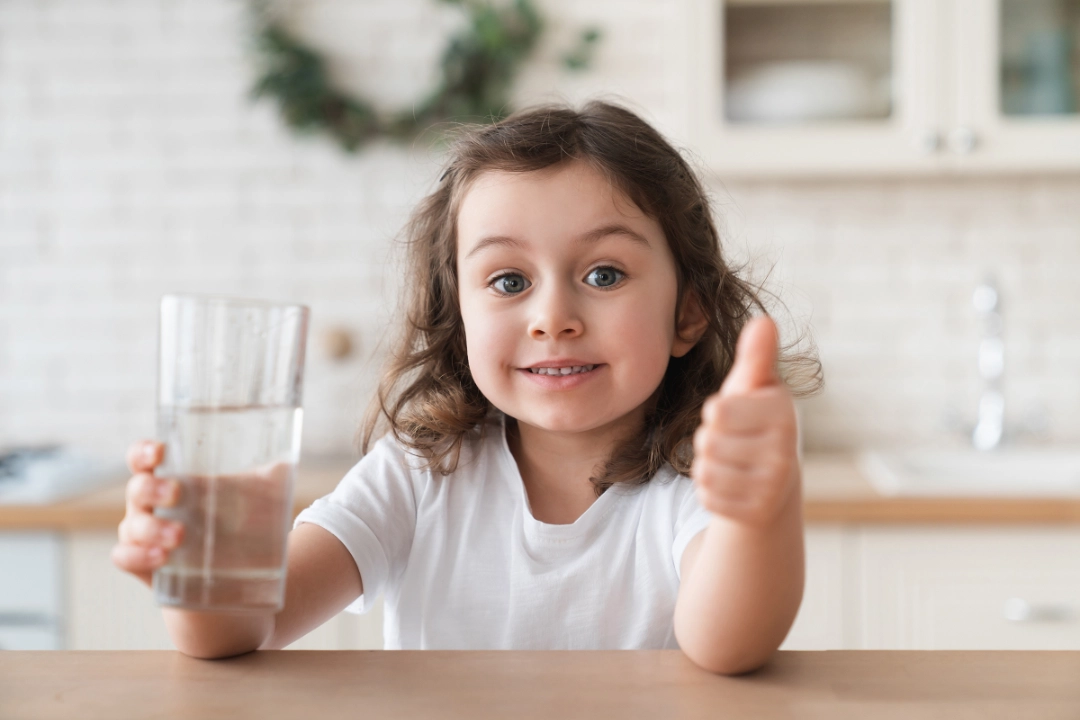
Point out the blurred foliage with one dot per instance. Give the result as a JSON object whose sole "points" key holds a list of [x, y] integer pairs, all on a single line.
{"points": [[477, 72]]}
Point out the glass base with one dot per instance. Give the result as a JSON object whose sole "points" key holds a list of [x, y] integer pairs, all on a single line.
{"points": [[250, 591]]}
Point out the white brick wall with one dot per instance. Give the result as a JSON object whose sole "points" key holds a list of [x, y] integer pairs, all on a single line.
{"points": [[889, 268], [131, 164]]}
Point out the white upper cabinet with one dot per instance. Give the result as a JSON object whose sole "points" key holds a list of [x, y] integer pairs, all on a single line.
{"points": [[1017, 85], [883, 87]]}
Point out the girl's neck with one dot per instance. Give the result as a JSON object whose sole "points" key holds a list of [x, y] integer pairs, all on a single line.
{"points": [[556, 467]]}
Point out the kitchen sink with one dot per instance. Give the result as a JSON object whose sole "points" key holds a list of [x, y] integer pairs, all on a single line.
{"points": [[1012, 472], [52, 473]]}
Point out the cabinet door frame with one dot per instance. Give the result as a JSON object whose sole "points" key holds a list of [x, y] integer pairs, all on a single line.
{"points": [[902, 145], [1001, 143], [913, 579]]}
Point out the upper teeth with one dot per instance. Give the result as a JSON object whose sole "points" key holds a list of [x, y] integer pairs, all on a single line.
{"points": [[562, 371]]}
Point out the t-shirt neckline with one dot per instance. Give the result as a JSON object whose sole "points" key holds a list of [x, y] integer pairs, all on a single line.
{"points": [[593, 516]]}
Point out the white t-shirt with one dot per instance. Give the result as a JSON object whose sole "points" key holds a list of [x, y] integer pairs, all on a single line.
{"points": [[465, 565]]}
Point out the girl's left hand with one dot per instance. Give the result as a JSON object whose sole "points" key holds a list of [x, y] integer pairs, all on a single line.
{"points": [[745, 460]]}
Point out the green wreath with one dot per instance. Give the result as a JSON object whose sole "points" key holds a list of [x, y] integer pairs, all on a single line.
{"points": [[478, 68]]}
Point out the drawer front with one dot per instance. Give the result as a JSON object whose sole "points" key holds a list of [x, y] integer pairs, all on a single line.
{"points": [[994, 589], [31, 568]]}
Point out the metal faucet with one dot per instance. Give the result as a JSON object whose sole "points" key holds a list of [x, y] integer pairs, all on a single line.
{"points": [[990, 425], [990, 430]]}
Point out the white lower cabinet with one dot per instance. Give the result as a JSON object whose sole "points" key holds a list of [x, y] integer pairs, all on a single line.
{"points": [[107, 609], [867, 587], [940, 588], [978, 588], [31, 590], [820, 622]]}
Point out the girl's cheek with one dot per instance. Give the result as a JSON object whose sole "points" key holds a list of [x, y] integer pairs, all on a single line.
{"points": [[489, 353]]}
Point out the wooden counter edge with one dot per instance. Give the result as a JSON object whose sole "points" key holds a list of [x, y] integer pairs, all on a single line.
{"points": [[836, 493]]}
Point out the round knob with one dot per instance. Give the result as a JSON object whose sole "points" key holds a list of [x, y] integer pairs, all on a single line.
{"points": [[962, 140], [1019, 610], [337, 343]]}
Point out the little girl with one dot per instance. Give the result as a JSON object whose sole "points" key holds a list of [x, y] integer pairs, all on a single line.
{"points": [[556, 474]]}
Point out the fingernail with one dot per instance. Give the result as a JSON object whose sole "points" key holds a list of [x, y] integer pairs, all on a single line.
{"points": [[149, 454], [156, 554]]}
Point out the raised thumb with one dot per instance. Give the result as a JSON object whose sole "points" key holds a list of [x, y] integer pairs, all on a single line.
{"points": [[755, 358]]}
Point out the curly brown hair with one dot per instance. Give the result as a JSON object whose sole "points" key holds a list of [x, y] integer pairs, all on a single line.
{"points": [[427, 394]]}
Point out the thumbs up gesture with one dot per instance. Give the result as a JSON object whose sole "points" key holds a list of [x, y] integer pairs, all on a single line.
{"points": [[745, 462]]}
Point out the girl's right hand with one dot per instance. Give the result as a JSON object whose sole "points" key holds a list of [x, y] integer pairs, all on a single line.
{"points": [[145, 540]]}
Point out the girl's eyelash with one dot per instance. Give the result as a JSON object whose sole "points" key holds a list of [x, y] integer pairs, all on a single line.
{"points": [[623, 276]]}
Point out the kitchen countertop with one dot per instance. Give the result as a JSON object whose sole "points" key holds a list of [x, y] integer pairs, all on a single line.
{"points": [[835, 492], [549, 684]]}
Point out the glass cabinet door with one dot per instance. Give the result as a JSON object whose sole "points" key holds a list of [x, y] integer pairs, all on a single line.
{"points": [[808, 62], [1040, 58], [816, 87], [1017, 85]]}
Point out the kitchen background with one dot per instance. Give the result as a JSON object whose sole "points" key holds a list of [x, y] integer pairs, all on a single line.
{"points": [[133, 163]]}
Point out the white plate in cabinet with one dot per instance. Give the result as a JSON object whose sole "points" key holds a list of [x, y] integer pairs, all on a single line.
{"points": [[907, 140], [978, 588]]}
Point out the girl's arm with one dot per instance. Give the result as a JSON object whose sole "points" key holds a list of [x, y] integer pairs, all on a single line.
{"points": [[321, 580], [741, 589], [742, 577]]}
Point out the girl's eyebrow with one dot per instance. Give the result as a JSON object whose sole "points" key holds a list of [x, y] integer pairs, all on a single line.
{"points": [[589, 237]]}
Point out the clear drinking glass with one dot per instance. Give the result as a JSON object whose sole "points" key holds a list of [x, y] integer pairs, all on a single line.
{"points": [[230, 382]]}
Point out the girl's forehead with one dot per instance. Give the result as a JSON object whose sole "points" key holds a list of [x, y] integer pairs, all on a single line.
{"points": [[573, 185], [559, 209]]}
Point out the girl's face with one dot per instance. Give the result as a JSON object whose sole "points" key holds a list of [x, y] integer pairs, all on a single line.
{"points": [[568, 294]]}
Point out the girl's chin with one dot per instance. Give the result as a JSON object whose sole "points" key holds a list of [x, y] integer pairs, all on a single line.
{"points": [[561, 427], [562, 422]]}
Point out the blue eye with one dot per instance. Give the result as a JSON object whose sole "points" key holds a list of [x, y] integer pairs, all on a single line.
{"points": [[510, 284], [604, 277]]}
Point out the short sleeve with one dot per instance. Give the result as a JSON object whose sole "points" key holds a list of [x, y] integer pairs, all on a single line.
{"points": [[691, 519], [372, 512]]}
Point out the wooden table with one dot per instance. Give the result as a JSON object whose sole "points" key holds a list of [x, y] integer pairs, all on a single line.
{"points": [[555, 684]]}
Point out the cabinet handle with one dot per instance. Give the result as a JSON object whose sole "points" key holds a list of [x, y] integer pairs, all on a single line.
{"points": [[962, 140], [1019, 610]]}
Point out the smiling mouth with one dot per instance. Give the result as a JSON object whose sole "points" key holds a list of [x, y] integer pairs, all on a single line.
{"points": [[558, 372]]}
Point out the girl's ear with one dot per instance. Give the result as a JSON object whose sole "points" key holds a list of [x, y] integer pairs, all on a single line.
{"points": [[689, 326]]}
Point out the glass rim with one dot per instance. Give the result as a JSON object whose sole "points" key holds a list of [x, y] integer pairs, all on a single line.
{"points": [[235, 300]]}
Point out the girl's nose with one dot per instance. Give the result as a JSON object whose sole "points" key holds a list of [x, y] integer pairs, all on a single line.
{"points": [[554, 316]]}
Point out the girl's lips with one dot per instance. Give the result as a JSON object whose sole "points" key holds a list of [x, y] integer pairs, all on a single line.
{"points": [[561, 382]]}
